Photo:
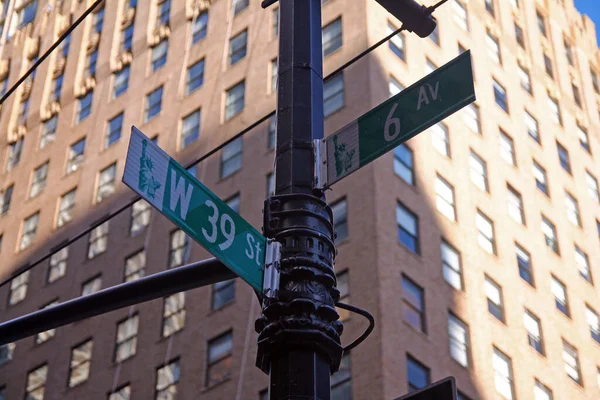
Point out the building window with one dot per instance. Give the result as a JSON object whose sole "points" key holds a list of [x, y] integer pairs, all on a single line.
{"points": [[6, 353], [418, 375], [541, 181], [555, 109], [179, 251], [40, 176], [173, 314], [451, 266], [495, 301], [237, 47], [90, 63], [81, 357], [167, 378], [503, 374], [222, 293], [490, 7], [520, 36], [500, 96], [190, 131], [445, 198], [507, 148], [56, 88], [18, 288], [435, 35], [404, 163], [534, 331], [493, 47], [58, 264], [413, 304], [333, 94], [593, 321], [23, 112], [524, 264], [343, 285], [548, 66], [276, 22], [134, 266], [525, 79], [163, 13], [199, 27], [592, 184], [235, 100], [340, 220], [159, 54], [595, 80], [532, 127], [273, 69], [515, 205], [14, 153], [153, 104], [459, 340], [272, 139], [559, 290], [49, 334], [395, 86], [341, 381], [584, 140], [270, 184], [541, 392], [121, 81], [541, 22], [233, 202], [26, 14], [219, 360], [48, 131], [577, 96], [123, 393], [583, 264], [572, 207], [485, 237], [231, 158], [113, 133], [563, 157], [91, 286], [195, 76], [478, 171], [568, 51], [98, 21], [571, 359], [440, 138], [66, 208], [239, 5], [30, 226], [549, 231], [36, 383], [397, 42], [98, 241], [408, 228], [106, 183], [85, 106], [461, 14], [126, 39], [140, 217], [127, 331], [332, 36]]}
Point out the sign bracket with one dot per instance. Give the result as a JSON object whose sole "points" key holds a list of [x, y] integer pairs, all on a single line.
{"points": [[272, 269], [320, 167]]}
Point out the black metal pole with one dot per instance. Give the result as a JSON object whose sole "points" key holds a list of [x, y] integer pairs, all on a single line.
{"points": [[152, 287], [299, 332]]}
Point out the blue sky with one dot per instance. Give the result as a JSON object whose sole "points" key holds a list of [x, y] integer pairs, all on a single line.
{"points": [[591, 8]]}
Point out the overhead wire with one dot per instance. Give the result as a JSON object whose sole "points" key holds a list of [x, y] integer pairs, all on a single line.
{"points": [[41, 59], [109, 216]]}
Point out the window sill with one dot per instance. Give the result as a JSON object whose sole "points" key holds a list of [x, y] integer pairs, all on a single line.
{"points": [[209, 388], [417, 331], [230, 176], [223, 307]]}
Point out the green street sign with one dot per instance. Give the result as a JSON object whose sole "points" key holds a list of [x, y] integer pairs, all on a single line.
{"points": [[419, 106], [178, 195]]}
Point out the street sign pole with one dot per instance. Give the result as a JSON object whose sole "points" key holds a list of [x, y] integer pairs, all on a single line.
{"points": [[299, 333]]}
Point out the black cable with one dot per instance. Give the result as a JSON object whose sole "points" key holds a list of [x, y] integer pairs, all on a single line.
{"points": [[367, 331], [50, 50], [214, 150]]}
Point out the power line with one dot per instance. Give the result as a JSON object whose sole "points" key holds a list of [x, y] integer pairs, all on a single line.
{"points": [[50, 50], [205, 156]]}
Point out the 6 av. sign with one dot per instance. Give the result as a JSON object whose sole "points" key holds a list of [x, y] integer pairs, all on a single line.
{"points": [[428, 101], [189, 204]]}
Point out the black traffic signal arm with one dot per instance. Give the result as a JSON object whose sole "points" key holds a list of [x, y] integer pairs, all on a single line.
{"points": [[414, 16]]}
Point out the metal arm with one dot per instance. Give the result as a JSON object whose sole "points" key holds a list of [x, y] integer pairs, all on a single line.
{"points": [[190, 276]]}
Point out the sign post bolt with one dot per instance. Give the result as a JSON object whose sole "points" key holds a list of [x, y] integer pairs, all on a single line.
{"points": [[299, 332]]}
